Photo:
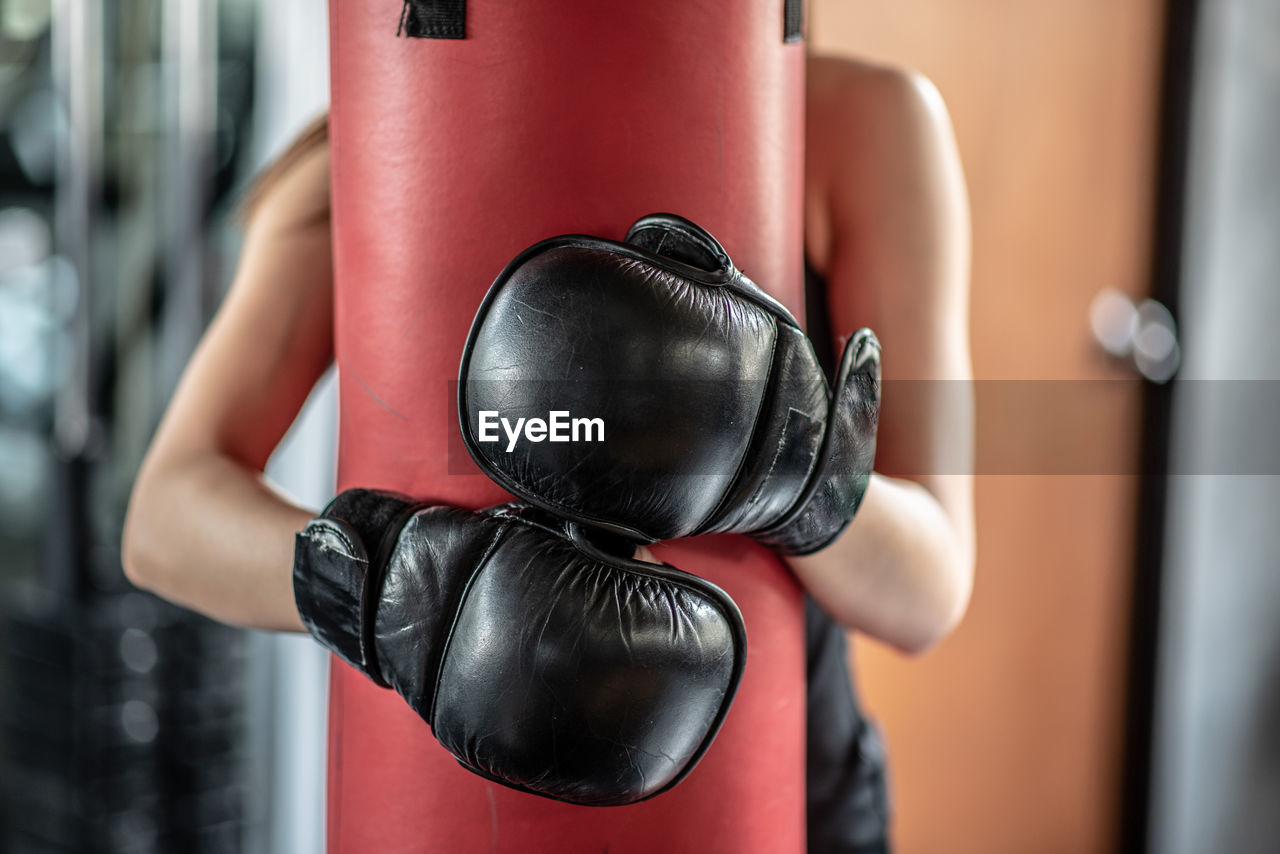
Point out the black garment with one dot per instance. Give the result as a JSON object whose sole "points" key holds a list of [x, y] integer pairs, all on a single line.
{"points": [[846, 802], [847, 809]]}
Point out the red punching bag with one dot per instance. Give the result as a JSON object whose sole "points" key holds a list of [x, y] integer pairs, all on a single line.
{"points": [[455, 144]]}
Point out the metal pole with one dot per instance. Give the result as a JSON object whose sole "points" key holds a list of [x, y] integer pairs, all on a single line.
{"points": [[77, 57], [188, 55]]}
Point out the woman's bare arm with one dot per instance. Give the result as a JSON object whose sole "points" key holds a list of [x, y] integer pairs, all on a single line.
{"points": [[203, 528], [890, 221]]}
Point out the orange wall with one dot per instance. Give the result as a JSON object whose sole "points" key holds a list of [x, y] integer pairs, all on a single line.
{"points": [[1007, 737]]}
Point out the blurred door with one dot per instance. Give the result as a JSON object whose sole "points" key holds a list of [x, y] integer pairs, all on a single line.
{"points": [[1008, 737]]}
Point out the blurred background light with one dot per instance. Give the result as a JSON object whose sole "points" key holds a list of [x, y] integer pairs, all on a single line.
{"points": [[24, 239], [36, 129], [23, 20]]}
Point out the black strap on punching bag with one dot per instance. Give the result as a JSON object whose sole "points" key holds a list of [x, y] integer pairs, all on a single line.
{"points": [[793, 20], [434, 19], [447, 19]]}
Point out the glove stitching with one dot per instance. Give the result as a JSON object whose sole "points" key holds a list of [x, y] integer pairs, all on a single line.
{"points": [[777, 455], [850, 363], [480, 566], [371, 592], [775, 354], [310, 533]]}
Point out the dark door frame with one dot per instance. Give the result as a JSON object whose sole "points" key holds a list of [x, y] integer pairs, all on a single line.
{"points": [[1168, 224]]}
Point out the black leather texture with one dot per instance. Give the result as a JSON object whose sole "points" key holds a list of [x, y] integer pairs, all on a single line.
{"points": [[539, 660], [716, 415], [844, 464]]}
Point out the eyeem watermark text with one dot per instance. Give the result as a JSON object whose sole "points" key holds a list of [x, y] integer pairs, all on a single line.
{"points": [[558, 426]]}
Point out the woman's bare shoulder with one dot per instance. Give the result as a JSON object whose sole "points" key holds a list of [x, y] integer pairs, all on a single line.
{"points": [[299, 197], [831, 74], [883, 176], [845, 95], [859, 117]]}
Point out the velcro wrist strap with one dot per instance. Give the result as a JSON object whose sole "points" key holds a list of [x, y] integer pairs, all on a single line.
{"points": [[845, 462], [329, 571]]}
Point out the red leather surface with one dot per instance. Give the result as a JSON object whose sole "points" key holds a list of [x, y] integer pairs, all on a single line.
{"points": [[448, 158]]}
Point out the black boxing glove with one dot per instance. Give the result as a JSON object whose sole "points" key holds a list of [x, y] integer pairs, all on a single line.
{"points": [[715, 412], [539, 661]]}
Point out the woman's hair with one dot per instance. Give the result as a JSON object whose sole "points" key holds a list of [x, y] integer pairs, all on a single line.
{"points": [[314, 135]]}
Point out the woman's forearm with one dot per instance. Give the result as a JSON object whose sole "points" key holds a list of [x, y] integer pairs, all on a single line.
{"points": [[900, 572], [210, 534]]}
